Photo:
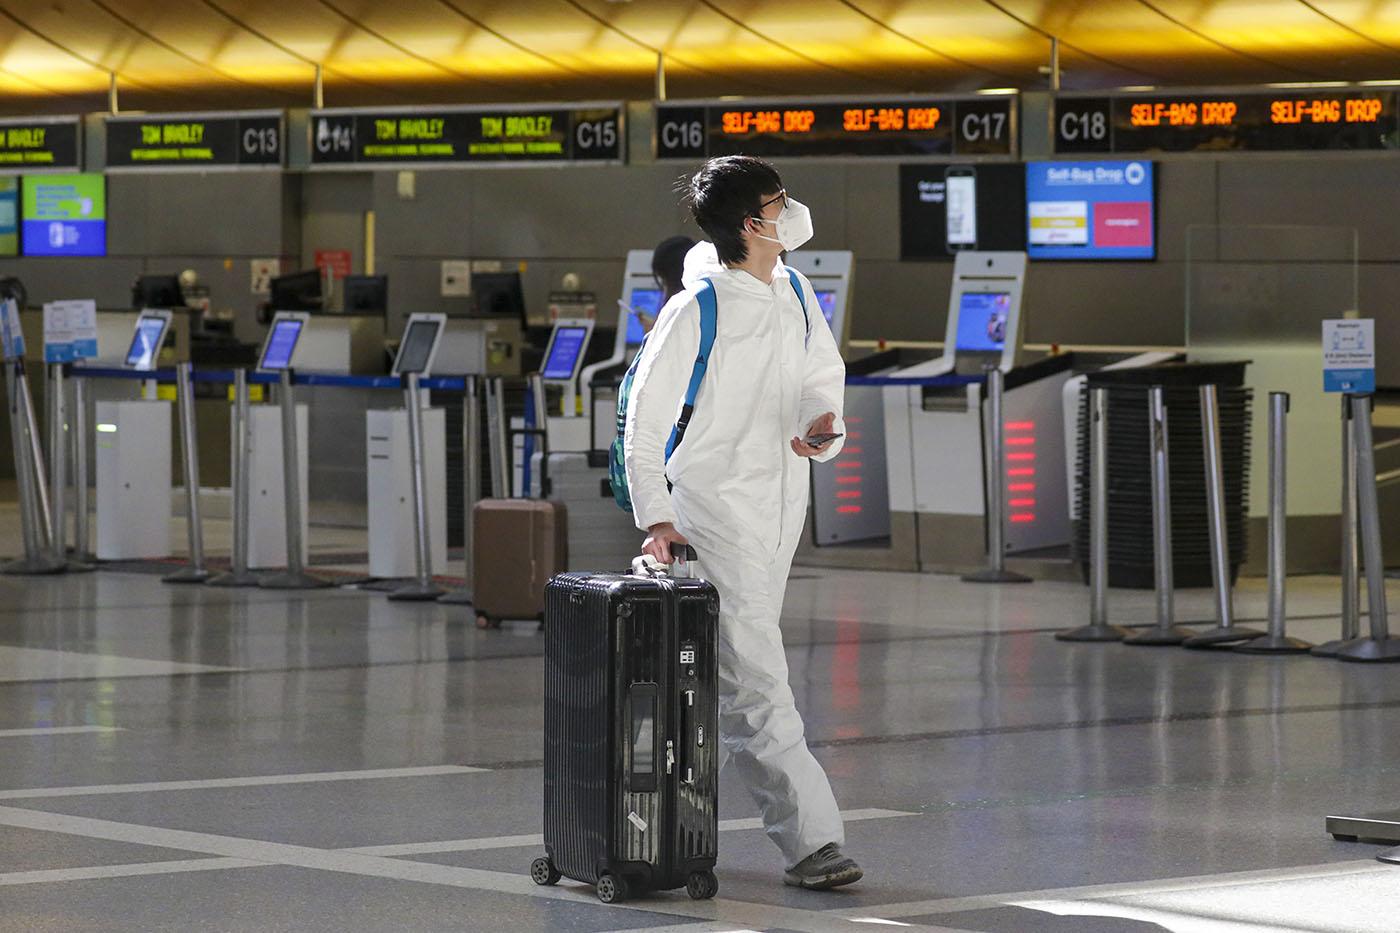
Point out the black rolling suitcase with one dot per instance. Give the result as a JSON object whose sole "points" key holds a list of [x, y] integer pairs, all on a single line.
{"points": [[631, 732]]}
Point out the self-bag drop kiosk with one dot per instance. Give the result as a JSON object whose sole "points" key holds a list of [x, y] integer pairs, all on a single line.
{"points": [[390, 464], [133, 458], [936, 438], [638, 307], [267, 511], [850, 502], [559, 372]]}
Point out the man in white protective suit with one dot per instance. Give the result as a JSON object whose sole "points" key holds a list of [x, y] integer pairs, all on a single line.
{"points": [[739, 479]]}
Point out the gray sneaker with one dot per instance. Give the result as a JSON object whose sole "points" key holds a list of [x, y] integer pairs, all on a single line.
{"points": [[823, 869]]}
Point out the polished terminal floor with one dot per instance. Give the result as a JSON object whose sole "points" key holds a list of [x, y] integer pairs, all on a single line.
{"points": [[187, 758]]}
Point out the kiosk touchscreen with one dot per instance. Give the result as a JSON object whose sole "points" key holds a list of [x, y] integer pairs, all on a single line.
{"points": [[642, 307], [420, 344], [147, 339], [280, 346], [829, 271], [568, 345]]}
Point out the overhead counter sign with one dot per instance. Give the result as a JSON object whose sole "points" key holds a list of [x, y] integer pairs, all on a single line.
{"points": [[239, 140], [41, 144], [1245, 121], [899, 127], [419, 136]]}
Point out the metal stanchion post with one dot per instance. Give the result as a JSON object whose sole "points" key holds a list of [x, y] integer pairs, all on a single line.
{"points": [[422, 588], [36, 447], [1277, 641], [33, 553], [81, 533], [58, 464], [1351, 574], [496, 430], [241, 482], [1098, 628], [1225, 631], [1379, 646], [541, 418], [996, 571], [295, 577], [471, 445], [1166, 631], [36, 559], [189, 444], [58, 468]]}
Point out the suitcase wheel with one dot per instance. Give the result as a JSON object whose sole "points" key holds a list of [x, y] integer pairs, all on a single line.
{"points": [[483, 621], [702, 885], [543, 872], [612, 889]]}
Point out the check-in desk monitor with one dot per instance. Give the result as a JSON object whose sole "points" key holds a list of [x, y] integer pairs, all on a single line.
{"points": [[146, 340], [568, 344], [281, 344], [419, 346]]}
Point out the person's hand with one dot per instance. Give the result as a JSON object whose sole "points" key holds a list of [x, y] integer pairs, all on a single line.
{"points": [[660, 537], [822, 425]]}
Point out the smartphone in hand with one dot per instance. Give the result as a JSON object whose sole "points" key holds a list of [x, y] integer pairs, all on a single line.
{"points": [[820, 440]]}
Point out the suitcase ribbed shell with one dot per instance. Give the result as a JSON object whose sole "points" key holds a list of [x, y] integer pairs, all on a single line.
{"points": [[607, 635]]}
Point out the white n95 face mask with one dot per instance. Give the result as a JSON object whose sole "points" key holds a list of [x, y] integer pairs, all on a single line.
{"points": [[793, 226]]}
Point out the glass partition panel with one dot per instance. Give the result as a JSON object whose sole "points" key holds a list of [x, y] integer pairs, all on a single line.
{"points": [[1261, 293]]}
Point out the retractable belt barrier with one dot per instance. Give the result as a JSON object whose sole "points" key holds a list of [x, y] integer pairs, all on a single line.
{"points": [[185, 376]]}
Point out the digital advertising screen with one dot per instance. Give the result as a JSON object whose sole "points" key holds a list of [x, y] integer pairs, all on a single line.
{"points": [[827, 299], [281, 344], [64, 215], [944, 209], [982, 321], [1090, 210], [564, 352], [9, 216], [643, 301]]}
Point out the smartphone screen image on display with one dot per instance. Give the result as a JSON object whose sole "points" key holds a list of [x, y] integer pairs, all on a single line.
{"points": [[961, 185]]}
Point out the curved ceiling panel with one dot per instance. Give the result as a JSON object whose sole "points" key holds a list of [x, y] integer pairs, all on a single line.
{"points": [[58, 54]]}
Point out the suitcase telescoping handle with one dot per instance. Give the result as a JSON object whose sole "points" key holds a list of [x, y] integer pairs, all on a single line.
{"points": [[683, 558]]}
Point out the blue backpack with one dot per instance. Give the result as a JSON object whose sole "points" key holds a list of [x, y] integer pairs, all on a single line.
{"points": [[709, 315]]}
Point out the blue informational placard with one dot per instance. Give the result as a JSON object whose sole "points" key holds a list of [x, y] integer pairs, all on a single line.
{"points": [[1090, 210], [1349, 356], [11, 334]]}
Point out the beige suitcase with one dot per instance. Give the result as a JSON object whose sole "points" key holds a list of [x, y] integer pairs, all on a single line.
{"points": [[517, 545]]}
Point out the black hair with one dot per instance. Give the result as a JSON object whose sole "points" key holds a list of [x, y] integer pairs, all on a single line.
{"points": [[724, 194], [668, 263]]}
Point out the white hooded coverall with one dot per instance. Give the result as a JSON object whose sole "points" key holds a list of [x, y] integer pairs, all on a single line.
{"points": [[740, 497]]}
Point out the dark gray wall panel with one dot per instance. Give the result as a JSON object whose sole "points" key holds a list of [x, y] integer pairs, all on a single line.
{"points": [[1136, 303], [1357, 191], [436, 222], [1186, 196], [900, 300], [872, 211], [106, 281], [214, 214], [333, 206]]}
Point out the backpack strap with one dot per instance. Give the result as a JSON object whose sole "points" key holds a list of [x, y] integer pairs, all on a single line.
{"points": [[709, 315], [802, 300]]}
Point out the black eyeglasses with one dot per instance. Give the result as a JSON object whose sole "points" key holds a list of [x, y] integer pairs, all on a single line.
{"points": [[780, 196]]}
